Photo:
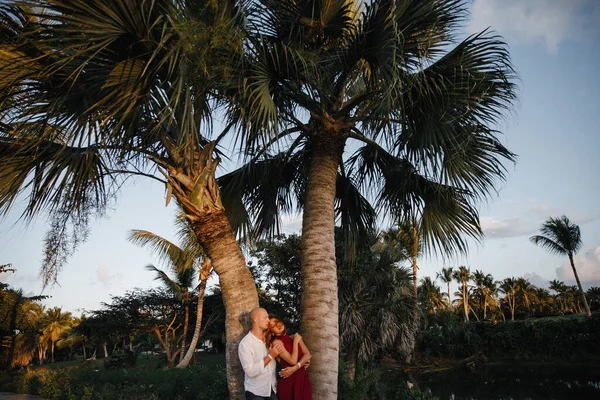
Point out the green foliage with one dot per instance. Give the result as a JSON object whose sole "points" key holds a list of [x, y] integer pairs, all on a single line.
{"points": [[548, 339], [191, 383]]}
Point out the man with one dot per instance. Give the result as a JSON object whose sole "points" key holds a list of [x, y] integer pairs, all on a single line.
{"points": [[258, 361]]}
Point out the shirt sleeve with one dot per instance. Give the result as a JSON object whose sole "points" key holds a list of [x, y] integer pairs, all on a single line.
{"points": [[251, 368]]}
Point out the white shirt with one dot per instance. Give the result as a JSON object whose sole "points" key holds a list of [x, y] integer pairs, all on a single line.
{"points": [[258, 378]]}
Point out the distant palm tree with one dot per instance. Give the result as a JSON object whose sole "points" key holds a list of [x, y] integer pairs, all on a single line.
{"points": [[485, 288], [446, 276], [561, 236], [594, 295], [407, 239], [184, 262], [559, 288], [463, 276], [55, 323], [510, 288], [527, 293], [430, 296]]}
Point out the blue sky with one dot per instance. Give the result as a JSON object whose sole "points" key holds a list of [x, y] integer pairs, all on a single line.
{"points": [[554, 130]]}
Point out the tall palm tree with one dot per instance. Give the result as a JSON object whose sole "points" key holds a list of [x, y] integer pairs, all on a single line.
{"points": [[391, 77], [561, 236], [463, 276], [527, 293], [184, 262], [55, 322], [98, 91], [446, 276]]}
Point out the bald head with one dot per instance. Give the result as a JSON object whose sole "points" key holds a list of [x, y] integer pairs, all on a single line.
{"points": [[260, 318]]}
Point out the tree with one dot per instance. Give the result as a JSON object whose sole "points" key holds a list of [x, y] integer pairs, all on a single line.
{"points": [[510, 288], [447, 277], [55, 323], [463, 275], [278, 272], [562, 237], [392, 77], [378, 311], [184, 262], [594, 296], [408, 240], [430, 296], [559, 288], [485, 289], [121, 89]]}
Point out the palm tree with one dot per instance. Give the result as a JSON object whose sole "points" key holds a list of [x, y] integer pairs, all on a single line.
{"points": [[184, 262], [430, 295], [55, 323], [446, 277], [485, 289], [510, 288], [407, 239], [527, 293], [594, 295], [561, 236], [377, 309], [463, 275], [559, 288], [122, 89], [390, 76]]}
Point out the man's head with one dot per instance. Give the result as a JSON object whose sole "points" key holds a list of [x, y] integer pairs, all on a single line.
{"points": [[260, 318]]}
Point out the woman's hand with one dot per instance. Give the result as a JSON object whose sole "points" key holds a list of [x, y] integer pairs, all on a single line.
{"points": [[297, 338], [287, 372]]}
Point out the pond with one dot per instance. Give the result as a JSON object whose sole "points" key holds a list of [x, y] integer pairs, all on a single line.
{"points": [[540, 382]]}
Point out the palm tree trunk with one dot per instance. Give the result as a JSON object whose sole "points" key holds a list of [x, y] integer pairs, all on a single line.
{"points": [[239, 290], [319, 276], [465, 301], [185, 329], [105, 350], [52, 350], [351, 363], [449, 301], [415, 267], [203, 273], [83, 347], [581, 293]]}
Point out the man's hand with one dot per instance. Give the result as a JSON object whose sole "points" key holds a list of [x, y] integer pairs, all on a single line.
{"points": [[289, 371], [274, 352]]}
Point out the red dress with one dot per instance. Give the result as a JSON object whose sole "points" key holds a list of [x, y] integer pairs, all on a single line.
{"points": [[297, 386]]}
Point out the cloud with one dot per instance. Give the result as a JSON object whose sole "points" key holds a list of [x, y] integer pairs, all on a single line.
{"points": [[529, 221], [105, 276], [587, 265], [505, 228], [537, 280], [291, 224], [548, 22]]}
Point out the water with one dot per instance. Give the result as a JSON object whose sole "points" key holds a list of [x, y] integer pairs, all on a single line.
{"points": [[514, 383]]}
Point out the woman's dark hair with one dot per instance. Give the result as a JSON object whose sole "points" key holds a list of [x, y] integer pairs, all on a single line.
{"points": [[269, 335]]}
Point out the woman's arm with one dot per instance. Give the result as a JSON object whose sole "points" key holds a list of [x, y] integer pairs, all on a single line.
{"points": [[284, 354], [305, 359]]}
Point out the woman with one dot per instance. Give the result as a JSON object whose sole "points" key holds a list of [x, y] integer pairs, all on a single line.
{"points": [[293, 383]]}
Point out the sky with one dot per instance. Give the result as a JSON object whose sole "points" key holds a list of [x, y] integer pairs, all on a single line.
{"points": [[554, 130]]}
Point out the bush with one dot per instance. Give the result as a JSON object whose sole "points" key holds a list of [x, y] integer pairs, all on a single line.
{"points": [[192, 383], [547, 339]]}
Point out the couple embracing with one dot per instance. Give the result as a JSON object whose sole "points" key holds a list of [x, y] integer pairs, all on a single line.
{"points": [[259, 351]]}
